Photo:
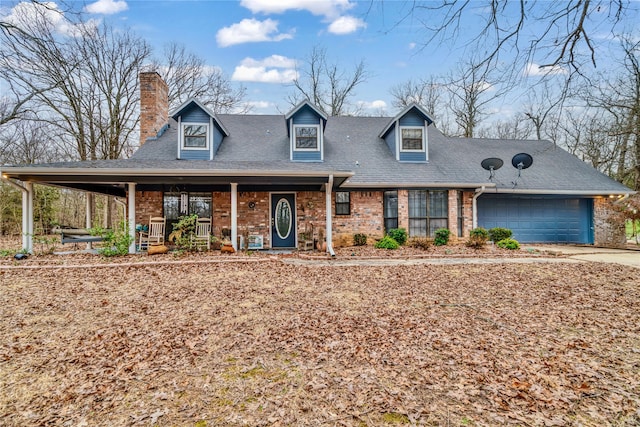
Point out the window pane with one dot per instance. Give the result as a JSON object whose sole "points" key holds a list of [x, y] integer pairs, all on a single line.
{"points": [[200, 204], [418, 227], [171, 205], [307, 137], [438, 204], [390, 210], [417, 204], [391, 204], [412, 139], [434, 224], [195, 136], [343, 205]]}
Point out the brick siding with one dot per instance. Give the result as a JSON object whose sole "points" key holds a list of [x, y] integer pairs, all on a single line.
{"points": [[609, 230], [154, 105]]}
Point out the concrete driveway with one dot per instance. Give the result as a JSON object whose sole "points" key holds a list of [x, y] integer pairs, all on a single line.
{"points": [[589, 253]]}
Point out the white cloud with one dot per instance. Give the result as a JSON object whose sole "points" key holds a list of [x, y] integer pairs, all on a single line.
{"points": [[346, 25], [331, 9], [260, 105], [276, 61], [250, 30], [26, 15], [107, 7], [534, 70], [274, 69], [412, 45], [376, 106]]}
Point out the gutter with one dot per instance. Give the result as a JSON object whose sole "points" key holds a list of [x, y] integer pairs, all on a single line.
{"points": [[329, 236], [418, 185], [174, 172]]}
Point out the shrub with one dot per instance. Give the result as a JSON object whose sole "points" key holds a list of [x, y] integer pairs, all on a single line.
{"points": [[387, 242], [116, 243], [359, 239], [183, 232], [478, 238], [508, 244], [420, 243], [399, 235], [498, 233], [441, 236]]}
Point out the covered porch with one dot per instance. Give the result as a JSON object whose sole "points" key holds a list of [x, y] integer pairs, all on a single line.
{"points": [[247, 202]]}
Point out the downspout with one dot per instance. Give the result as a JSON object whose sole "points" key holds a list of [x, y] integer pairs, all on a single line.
{"points": [[27, 218], [474, 206], [329, 232]]}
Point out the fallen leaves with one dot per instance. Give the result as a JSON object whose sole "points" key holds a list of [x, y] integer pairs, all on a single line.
{"points": [[266, 343]]}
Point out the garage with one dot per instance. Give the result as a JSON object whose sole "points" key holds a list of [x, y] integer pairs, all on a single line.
{"points": [[539, 219]]}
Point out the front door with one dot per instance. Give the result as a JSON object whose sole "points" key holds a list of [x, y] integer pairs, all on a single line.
{"points": [[283, 220]]}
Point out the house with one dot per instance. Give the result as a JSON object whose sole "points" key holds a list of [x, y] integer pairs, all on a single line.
{"points": [[274, 177]]}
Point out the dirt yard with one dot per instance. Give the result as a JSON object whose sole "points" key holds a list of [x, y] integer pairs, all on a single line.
{"points": [[250, 342]]}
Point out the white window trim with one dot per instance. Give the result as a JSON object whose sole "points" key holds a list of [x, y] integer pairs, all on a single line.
{"points": [[207, 136], [318, 137], [424, 140]]}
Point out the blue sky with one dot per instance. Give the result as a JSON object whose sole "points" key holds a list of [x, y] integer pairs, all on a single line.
{"points": [[257, 43]]}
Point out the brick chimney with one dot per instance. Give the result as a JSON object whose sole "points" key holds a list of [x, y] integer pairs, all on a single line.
{"points": [[154, 105]]}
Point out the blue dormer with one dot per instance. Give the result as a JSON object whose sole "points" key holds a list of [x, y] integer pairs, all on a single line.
{"points": [[305, 127], [406, 135], [200, 133]]}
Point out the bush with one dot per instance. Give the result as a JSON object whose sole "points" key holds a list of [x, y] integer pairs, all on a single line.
{"points": [[508, 244], [387, 242], [359, 239], [498, 233], [116, 243], [399, 235], [183, 232], [442, 236], [420, 243], [477, 238]]}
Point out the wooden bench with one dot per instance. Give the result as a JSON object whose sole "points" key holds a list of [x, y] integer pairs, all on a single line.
{"points": [[78, 235]]}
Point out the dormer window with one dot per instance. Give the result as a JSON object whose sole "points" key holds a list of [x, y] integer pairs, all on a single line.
{"points": [[195, 136], [412, 139], [306, 138]]}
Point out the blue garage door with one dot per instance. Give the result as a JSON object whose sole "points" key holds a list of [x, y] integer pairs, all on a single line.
{"points": [[539, 219]]}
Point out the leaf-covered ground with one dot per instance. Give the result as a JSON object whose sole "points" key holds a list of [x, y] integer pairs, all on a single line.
{"points": [[250, 343]]}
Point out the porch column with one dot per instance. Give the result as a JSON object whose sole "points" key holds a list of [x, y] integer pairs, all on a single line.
{"points": [[131, 220], [329, 230], [27, 217], [88, 219], [234, 215]]}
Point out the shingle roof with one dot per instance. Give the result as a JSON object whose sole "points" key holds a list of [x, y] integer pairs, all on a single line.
{"points": [[353, 144]]}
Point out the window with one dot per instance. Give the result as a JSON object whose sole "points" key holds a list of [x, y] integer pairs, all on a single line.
{"points": [[195, 137], [178, 204], [343, 203], [390, 210], [306, 137], [427, 212], [412, 139]]}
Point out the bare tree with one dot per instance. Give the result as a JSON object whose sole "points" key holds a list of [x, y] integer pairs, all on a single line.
{"points": [[424, 92], [470, 93], [565, 37], [326, 85], [188, 76], [619, 97], [83, 78], [25, 142], [513, 128]]}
